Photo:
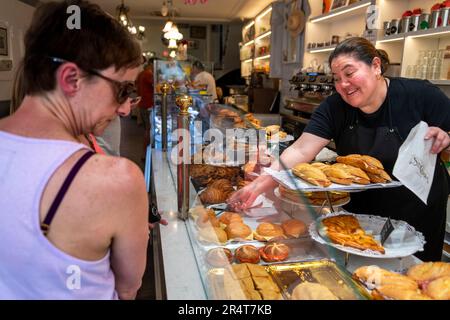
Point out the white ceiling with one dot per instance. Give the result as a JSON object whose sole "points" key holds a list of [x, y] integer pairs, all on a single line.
{"points": [[213, 10]]}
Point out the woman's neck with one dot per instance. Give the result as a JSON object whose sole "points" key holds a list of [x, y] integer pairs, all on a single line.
{"points": [[378, 97]]}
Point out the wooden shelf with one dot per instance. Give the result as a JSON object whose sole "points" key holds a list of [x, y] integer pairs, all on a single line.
{"points": [[357, 8]]}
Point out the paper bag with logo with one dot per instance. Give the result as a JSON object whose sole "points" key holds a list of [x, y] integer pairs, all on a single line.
{"points": [[415, 163]]}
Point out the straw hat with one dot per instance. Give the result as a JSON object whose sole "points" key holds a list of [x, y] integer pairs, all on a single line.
{"points": [[296, 22]]}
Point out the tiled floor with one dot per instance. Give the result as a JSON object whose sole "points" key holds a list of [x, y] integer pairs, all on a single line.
{"points": [[131, 147]]}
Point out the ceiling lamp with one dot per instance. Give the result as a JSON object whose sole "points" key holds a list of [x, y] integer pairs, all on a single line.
{"points": [[173, 34], [168, 26], [122, 15], [172, 44], [172, 54]]}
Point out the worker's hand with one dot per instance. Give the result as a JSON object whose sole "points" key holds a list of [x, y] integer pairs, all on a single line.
{"points": [[441, 139], [163, 221], [243, 198]]}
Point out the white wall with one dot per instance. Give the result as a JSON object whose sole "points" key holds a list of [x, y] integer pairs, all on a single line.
{"points": [[16, 16]]}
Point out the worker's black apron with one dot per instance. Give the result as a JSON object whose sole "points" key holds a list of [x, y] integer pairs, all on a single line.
{"points": [[398, 203]]}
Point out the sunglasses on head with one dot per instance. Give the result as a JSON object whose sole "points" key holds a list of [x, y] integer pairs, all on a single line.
{"points": [[124, 90]]}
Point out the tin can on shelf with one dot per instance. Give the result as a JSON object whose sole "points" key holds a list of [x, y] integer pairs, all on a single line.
{"points": [[404, 25], [387, 28], [444, 12], [435, 19], [394, 26], [424, 22], [414, 23]]}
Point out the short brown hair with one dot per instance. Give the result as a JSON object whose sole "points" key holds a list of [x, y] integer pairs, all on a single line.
{"points": [[100, 43], [363, 50]]}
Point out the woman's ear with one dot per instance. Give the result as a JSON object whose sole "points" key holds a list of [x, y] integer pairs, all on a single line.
{"points": [[68, 77], [376, 65]]}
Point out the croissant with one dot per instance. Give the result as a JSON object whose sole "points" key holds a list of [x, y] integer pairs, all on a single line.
{"points": [[213, 195], [358, 176], [367, 163], [311, 174]]}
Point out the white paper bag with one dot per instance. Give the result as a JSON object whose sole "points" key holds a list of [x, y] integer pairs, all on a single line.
{"points": [[415, 163]]}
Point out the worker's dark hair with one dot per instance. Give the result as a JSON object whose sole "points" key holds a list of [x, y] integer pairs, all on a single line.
{"points": [[361, 49]]}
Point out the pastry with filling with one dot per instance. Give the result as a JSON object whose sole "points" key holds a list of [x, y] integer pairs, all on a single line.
{"points": [[374, 276], [228, 217], [357, 175], [394, 292], [438, 289], [311, 174], [337, 175], [428, 271]]}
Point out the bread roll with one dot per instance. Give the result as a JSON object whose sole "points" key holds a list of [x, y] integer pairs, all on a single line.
{"points": [[274, 252], [247, 254], [228, 217], [293, 228], [239, 230], [312, 291], [214, 235], [267, 231], [219, 257]]}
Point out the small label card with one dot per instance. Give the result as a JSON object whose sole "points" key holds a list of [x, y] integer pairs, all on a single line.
{"points": [[386, 231]]}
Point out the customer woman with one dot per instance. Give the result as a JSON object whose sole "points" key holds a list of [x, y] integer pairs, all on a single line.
{"points": [[74, 224], [372, 114]]}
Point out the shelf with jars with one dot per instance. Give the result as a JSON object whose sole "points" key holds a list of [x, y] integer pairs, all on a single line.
{"points": [[255, 48], [417, 34]]}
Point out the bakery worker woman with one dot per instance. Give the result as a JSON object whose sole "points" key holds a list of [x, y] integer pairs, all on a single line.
{"points": [[371, 114]]}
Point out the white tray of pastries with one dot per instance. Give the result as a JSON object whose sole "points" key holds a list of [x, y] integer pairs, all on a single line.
{"points": [[364, 237]]}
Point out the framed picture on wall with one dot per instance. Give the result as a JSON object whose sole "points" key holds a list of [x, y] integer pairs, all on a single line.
{"points": [[3, 41], [339, 4]]}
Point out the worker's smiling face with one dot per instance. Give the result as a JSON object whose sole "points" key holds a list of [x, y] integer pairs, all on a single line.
{"points": [[354, 80]]}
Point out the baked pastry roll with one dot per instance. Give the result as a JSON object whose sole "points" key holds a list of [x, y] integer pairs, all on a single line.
{"points": [[374, 276], [429, 271], [213, 235], [394, 292], [311, 174], [338, 175], [228, 217], [439, 289], [380, 177], [357, 175]]}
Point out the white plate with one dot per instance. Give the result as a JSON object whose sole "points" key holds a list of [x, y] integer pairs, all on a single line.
{"points": [[412, 242]]}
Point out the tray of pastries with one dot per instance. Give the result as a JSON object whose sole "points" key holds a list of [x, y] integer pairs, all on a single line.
{"points": [[353, 172], [359, 234], [316, 280], [424, 281]]}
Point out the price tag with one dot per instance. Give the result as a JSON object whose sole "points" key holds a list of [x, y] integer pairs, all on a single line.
{"points": [[386, 231]]}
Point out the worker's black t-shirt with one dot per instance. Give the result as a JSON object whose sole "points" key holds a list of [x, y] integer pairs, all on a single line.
{"points": [[411, 101]]}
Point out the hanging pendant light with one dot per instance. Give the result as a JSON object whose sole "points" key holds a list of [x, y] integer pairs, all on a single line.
{"points": [[122, 15]]}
